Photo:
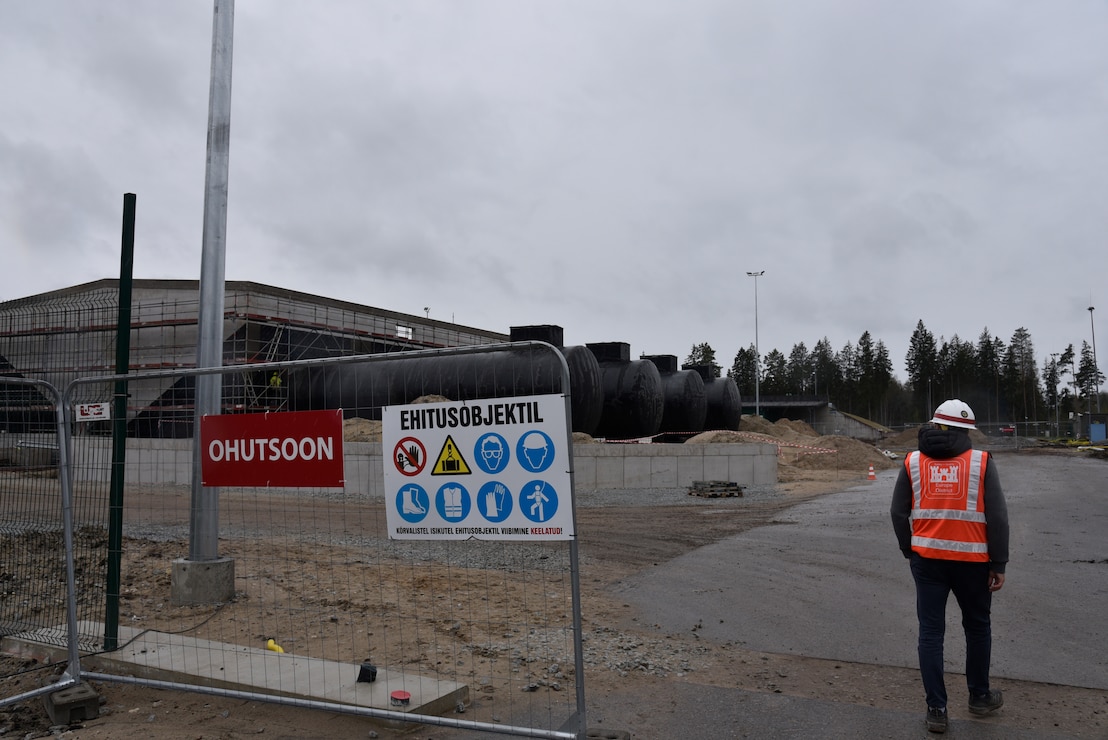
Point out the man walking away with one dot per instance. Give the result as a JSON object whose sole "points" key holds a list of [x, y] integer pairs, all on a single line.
{"points": [[951, 521]]}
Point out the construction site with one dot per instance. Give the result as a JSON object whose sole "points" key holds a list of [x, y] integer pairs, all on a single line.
{"points": [[663, 627]]}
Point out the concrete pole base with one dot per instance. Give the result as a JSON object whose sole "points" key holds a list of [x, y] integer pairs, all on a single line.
{"points": [[77, 703], [202, 581]]}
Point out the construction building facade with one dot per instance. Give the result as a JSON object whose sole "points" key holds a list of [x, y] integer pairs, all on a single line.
{"points": [[70, 333]]}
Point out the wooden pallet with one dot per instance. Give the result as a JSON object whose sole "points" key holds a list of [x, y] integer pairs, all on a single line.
{"points": [[715, 489]]}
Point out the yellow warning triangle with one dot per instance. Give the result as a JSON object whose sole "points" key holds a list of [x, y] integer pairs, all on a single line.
{"points": [[450, 460]]}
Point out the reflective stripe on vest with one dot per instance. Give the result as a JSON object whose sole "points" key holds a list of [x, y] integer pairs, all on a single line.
{"points": [[950, 523]]}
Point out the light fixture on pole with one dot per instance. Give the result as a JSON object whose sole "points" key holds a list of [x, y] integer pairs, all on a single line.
{"points": [[1096, 368], [757, 352]]}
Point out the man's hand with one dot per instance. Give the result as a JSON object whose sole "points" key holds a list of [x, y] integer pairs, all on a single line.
{"points": [[996, 581]]}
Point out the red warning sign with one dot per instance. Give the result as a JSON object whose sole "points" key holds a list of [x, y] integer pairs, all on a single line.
{"points": [[409, 456], [294, 449]]}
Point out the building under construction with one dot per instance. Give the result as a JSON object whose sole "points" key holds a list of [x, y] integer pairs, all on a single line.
{"points": [[70, 333]]}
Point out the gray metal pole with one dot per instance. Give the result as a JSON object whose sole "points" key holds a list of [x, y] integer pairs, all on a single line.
{"points": [[1057, 421], [757, 352], [204, 511], [1096, 368]]}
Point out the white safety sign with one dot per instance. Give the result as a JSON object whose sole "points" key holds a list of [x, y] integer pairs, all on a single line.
{"points": [[494, 469], [93, 412]]}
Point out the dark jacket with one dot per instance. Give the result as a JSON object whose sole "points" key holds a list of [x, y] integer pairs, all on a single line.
{"points": [[942, 444]]}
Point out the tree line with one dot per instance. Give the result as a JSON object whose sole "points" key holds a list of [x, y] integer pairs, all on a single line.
{"points": [[1000, 380]]}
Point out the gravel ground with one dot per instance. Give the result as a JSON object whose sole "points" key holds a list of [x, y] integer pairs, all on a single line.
{"points": [[644, 674]]}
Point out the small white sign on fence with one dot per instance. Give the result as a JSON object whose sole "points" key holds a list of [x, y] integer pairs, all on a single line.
{"points": [[93, 411]]}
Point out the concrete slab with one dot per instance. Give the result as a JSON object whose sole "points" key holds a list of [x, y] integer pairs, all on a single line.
{"points": [[191, 661]]}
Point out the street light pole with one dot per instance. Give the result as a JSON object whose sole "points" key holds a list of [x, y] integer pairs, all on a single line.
{"points": [[757, 352], [1054, 371], [1096, 370]]}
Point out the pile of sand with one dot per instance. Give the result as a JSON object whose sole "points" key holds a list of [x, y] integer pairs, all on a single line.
{"points": [[799, 445], [432, 398], [849, 454], [357, 429]]}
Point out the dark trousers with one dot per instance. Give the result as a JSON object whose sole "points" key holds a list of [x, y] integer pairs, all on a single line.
{"points": [[935, 580]]}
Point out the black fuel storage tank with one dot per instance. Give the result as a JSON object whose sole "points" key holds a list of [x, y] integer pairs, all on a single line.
{"points": [[362, 389], [587, 395], [586, 388], [724, 402], [633, 398], [685, 400]]}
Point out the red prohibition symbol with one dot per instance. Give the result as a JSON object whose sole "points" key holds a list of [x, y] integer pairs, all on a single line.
{"points": [[409, 456]]}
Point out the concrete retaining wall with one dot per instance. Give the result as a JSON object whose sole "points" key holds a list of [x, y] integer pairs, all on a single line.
{"points": [[672, 465], [596, 466]]}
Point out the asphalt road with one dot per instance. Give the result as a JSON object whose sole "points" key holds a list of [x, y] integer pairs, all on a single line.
{"points": [[828, 581], [825, 580]]}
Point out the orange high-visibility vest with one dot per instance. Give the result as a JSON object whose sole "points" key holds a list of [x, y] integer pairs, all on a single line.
{"points": [[948, 506]]}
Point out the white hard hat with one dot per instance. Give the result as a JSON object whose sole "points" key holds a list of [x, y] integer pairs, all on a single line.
{"points": [[955, 413]]}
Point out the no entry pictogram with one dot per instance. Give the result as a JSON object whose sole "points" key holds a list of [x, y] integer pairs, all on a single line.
{"points": [[409, 456]]}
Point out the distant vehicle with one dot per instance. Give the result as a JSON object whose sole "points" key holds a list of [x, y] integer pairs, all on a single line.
{"points": [[1009, 430], [890, 454]]}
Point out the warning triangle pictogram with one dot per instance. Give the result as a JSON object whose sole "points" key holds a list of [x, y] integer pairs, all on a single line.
{"points": [[450, 461]]}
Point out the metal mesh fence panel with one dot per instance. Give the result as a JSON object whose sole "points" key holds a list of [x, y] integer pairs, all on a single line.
{"points": [[32, 556], [37, 578], [467, 632]]}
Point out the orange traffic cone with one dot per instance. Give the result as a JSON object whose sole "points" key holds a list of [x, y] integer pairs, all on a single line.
{"points": [[872, 475]]}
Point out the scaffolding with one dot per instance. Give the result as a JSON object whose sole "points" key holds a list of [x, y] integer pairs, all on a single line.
{"points": [[70, 333]]}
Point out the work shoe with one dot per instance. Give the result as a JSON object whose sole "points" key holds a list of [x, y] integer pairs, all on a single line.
{"points": [[986, 703], [936, 720]]}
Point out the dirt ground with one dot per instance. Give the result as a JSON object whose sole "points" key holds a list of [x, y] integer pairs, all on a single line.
{"points": [[616, 542]]}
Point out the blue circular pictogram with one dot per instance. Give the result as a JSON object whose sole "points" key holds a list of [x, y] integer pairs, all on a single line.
{"points": [[491, 452], [538, 501], [452, 502], [494, 501], [412, 503], [535, 451]]}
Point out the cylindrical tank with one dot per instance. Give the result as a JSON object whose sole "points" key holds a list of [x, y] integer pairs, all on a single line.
{"points": [[686, 405], [724, 404], [633, 397], [363, 389], [587, 399]]}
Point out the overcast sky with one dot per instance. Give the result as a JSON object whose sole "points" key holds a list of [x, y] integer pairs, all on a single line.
{"points": [[615, 167]]}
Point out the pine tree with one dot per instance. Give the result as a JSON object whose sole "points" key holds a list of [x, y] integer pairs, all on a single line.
{"points": [[743, 369], [922, 363]]}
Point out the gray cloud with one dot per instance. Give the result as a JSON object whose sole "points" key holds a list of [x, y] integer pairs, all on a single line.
{"points": [[612, 167]]}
